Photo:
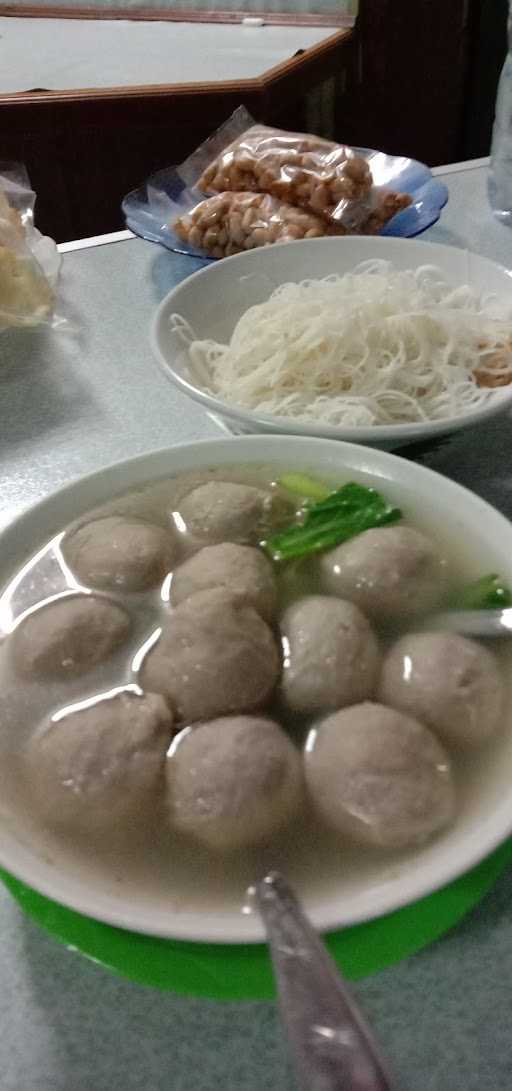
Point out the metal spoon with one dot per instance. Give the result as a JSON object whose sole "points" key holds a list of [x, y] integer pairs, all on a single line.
{"points": [[331, 1046], [487, 623]]}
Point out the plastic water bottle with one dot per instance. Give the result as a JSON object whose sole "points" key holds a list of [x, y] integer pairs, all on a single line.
{"points": [[500, 172]]}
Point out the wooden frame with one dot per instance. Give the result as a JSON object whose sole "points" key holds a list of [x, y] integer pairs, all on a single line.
{"points": [[85, 149]]}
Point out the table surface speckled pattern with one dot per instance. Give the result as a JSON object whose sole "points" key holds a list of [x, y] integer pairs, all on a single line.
{"points": [[69, 405]]}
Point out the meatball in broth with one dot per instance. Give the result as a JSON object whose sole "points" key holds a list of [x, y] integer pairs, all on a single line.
{"points": [[331, 655], [100, 764], [379, 777], [391, 573], [240, 570], [449, 682], [222, 511], [120, 553], [68, 636], [233, 782], [215, 655]]}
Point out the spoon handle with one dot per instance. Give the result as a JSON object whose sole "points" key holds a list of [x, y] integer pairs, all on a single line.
{"points": [[331, 1046]]}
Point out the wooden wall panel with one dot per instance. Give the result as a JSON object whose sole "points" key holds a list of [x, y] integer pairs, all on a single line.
{"points": [[413, 67]]}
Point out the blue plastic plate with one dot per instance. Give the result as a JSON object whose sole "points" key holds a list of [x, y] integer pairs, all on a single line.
{"points": [[151, 208]]}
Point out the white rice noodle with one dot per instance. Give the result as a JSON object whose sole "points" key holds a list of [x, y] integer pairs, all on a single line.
{"points": [[372, 347]]}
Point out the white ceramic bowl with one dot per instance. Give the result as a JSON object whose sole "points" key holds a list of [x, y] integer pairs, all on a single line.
{"points": [[213, 300], [369, 886]]}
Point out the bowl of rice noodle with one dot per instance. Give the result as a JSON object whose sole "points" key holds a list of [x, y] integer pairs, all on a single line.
{"points": [[378, 341]]}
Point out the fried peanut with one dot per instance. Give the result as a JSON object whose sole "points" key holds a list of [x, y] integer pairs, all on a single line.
{"points": [[231, 222]]}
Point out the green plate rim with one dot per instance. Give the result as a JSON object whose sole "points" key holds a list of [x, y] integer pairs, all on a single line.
{"points": [[243, 971]]}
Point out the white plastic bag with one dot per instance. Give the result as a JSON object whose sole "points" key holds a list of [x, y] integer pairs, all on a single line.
{"points": [[29, 262]]}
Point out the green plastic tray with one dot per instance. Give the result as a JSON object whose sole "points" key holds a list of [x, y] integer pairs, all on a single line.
{"points": [[243, 972]]}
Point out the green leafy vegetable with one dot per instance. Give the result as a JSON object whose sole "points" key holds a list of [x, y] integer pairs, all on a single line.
{"points": [[307, 487], [350, 510], [488, 593]]}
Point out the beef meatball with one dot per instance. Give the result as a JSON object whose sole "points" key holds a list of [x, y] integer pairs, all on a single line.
{"points": [[379, 777], [449, 682], [222, 511], [102, 764], [215, 655], [68, 636], [389, 572], [239, 569], [126, 554], [331, 656], [233, 782]]}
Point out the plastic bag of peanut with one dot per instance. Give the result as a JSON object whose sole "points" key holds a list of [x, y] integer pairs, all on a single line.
{"points": [[323, 179], [231, 222], [329, 180]]}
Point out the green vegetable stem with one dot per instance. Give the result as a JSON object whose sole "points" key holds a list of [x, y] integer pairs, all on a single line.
{"points": [[306, 487]]}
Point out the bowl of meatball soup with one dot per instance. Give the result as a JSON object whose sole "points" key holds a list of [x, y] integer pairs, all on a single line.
{"points": [[225, 658]]}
